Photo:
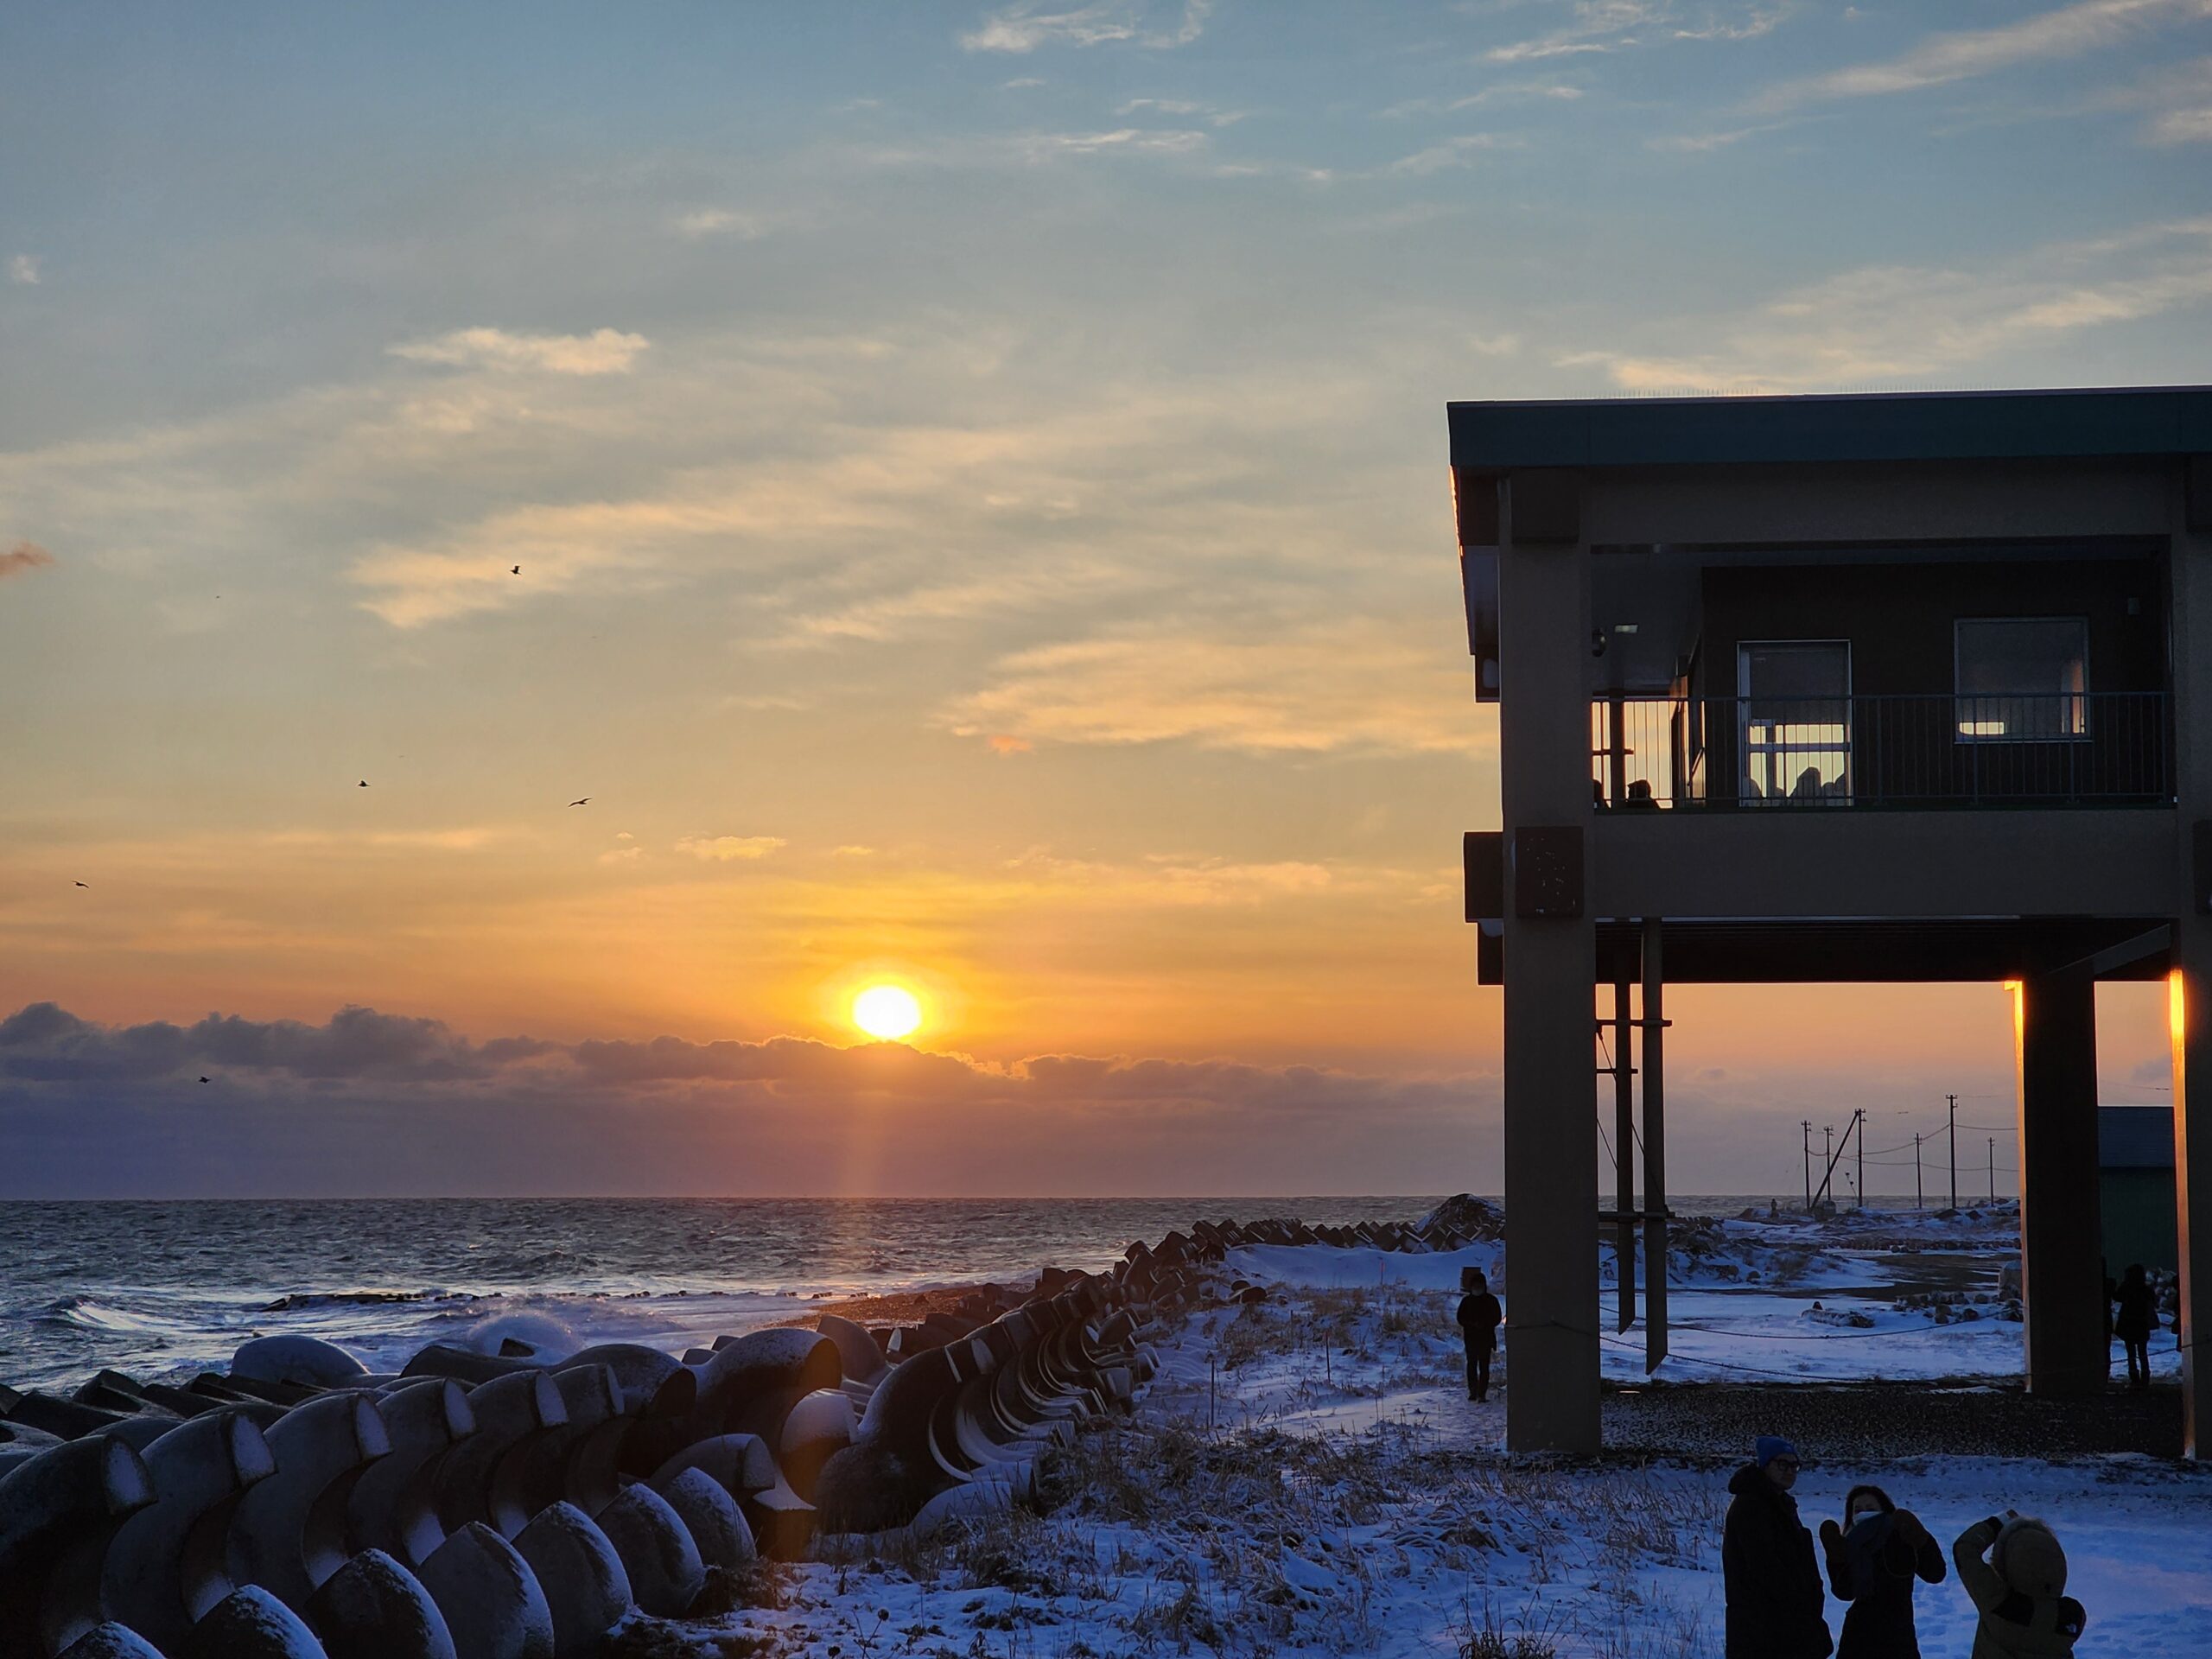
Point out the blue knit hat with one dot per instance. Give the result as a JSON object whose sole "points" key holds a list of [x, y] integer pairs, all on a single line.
{"points": [[1771, 1447]]}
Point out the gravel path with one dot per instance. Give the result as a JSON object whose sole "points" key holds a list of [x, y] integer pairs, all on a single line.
{"points": [[1891, 1419]]}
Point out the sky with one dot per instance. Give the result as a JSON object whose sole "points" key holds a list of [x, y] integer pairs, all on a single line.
{"points": [[977, 474]]}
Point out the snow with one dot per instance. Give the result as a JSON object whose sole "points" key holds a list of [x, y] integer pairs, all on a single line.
{"points": [[1306, 1476]]}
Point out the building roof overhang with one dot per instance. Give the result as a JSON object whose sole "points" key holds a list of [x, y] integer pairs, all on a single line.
{"points": [[1920, 426]]}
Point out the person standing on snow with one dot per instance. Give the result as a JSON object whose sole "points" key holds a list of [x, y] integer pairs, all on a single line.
{"points": [[1873, 1560], [2137, 1319], [1775, 1607], [2019, 1590], [1480, 1318]]}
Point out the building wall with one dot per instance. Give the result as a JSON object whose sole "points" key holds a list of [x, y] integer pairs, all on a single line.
{"points": [[1897, 619], [1898, 616], [2137, 1207]]}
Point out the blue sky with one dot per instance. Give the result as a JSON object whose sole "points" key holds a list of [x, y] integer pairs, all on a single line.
{"points": [[978, 475]]}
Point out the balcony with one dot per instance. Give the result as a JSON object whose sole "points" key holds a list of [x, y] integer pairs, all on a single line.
{"points": [[1763, 754]]}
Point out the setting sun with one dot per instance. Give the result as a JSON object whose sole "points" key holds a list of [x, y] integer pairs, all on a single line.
{"points": [[887, 1011]]}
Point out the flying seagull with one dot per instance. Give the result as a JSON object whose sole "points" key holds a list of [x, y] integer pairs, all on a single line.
{"points": [[585, 802], [364, 783], [203, 1079], [517, 570], [83, 884]]}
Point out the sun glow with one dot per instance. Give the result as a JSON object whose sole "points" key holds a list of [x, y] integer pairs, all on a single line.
{"points": [[887, 1011]]}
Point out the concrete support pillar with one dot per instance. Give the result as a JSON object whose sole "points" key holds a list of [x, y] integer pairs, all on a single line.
{"points": [[2062, 1284], [2189, 1003], [2190, 652], [1551, 1147]]}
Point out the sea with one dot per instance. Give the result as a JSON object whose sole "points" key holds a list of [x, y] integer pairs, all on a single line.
{"points": [[161, 1290]]}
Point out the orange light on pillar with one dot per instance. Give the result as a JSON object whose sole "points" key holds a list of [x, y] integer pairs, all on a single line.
{"points": [[2176, 1007]]}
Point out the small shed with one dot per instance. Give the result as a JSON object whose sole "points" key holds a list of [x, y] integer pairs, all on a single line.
{"points": [[2135, 1157]]}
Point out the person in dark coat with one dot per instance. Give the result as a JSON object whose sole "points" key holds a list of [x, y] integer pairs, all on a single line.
{"points": [[1776, 1606], [2137, 1319], [1480, 1318], [1873, 1558]]}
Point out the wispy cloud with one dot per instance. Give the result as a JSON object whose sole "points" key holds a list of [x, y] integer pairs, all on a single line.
{"points": [[1213, 114], [1882, 324], [604, 351], [1124, 141], [1318, 689], [1463, 151], [23, 557], [1601, 26], [1024, 28], [723, 849], [703, 222], [24, 268], [2068, 32]]}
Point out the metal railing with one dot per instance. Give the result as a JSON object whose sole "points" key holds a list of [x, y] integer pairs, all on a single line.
{"points": [[2094, 748]]}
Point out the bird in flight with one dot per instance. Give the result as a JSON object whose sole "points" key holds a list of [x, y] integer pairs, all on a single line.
{"points": [[83, 884], [585, 802], [517, 570], [203, 1079], [364, 783]]}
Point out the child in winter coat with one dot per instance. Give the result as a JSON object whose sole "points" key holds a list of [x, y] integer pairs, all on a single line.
{"points": [[2019, 1589]]}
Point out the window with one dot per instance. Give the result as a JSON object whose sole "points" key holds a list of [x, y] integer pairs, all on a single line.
{"points": [[2022, 679], [1794, 721]]}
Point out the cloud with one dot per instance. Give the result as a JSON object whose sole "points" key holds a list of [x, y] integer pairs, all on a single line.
{"points": [[1023, 28], [703, 222], [354, 1105], [1884, 324], [25, 269], [1213, 114], [721, 849], [42, 1043], [1462, 151], [1602, 26], [1123, 141], [1003, 744], [1323, 689], [603, 351], [23, 557], [1939, 59]]}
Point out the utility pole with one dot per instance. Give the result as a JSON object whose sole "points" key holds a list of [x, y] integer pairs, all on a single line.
{"points": [[1859, 1128], [1806, 1124], [1993, 1169], [1919, 1203], [1953, 1099]]}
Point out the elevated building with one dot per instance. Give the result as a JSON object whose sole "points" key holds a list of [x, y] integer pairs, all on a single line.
{"points": [[1833, 690]]}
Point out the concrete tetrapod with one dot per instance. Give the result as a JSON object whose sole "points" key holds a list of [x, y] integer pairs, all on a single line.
{"points": [[658, 1397], [374, 1608], [578, 1461], [57, 1513], [306, 1360], [250, 1624], [659, 1556], [393, 1504], [818, 1426], [487, 1470], [711, 1515], [494, 1606], [754, 1379], [168, 1564], [577, 1567], [111, 1641], [288, 1534]]}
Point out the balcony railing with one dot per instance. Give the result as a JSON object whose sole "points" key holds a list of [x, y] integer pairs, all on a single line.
{"points": [[2101, 748]]}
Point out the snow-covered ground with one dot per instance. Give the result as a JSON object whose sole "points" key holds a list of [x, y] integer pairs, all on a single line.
{"points": [[1306, 1476]]}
